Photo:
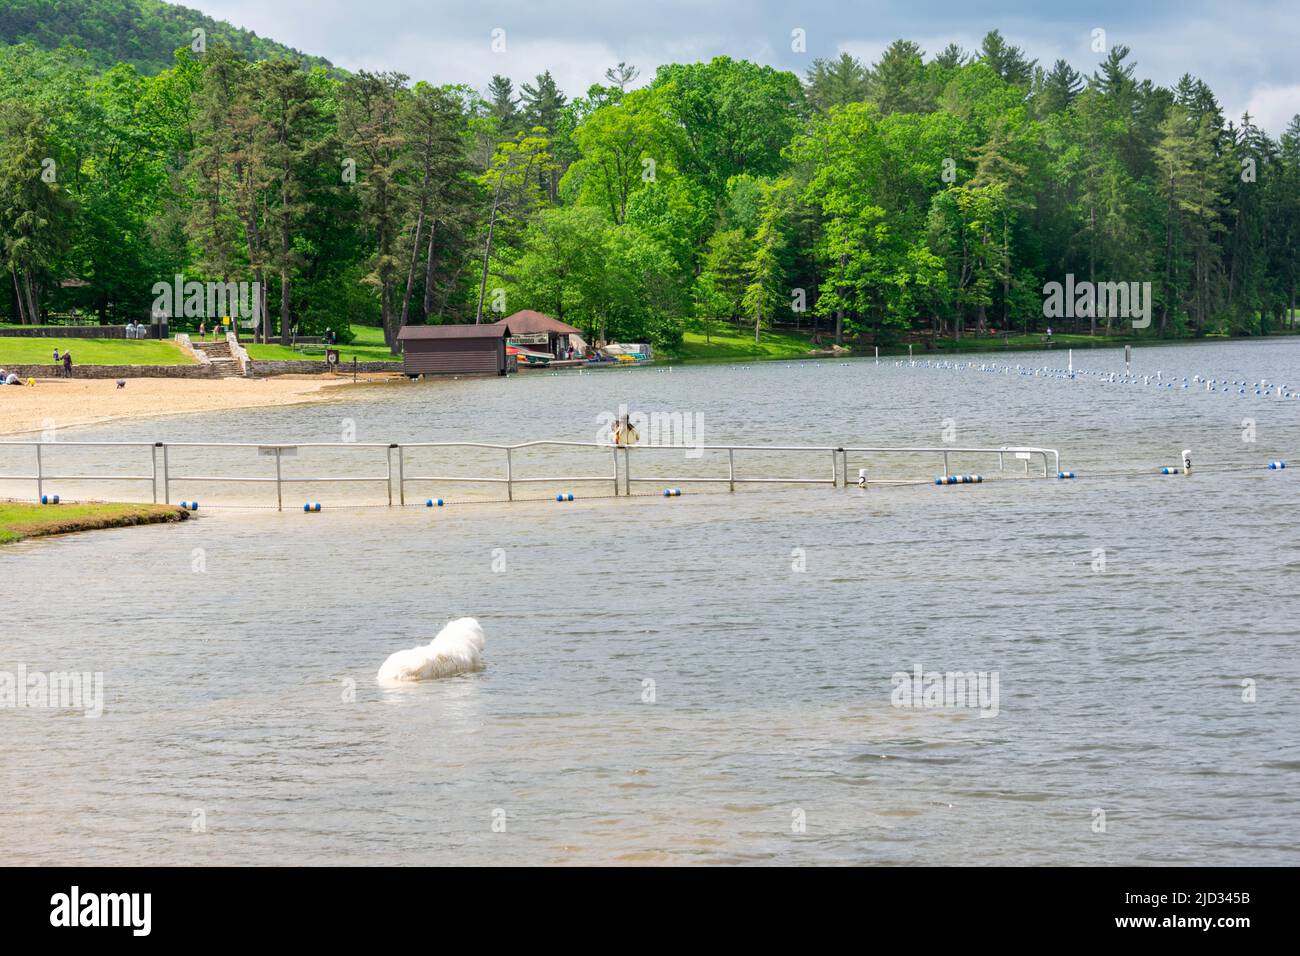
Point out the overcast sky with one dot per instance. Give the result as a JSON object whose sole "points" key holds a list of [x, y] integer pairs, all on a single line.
{"points": [[1245, 49]]}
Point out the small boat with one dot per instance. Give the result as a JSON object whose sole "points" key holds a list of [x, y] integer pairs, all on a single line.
{"points": [[528, 357]]}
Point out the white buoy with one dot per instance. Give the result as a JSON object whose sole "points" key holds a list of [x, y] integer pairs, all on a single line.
{"points": [[862, 477], [1071, 361], [1187, 461]]}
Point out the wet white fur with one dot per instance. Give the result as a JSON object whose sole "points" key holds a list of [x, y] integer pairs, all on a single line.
{"points": [[458, 649]]}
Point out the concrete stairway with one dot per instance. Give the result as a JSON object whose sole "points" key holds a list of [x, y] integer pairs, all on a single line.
{"points": [[218, 352]]}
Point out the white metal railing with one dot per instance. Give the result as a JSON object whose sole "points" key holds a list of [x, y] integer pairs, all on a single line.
{"points": [[163, 469]]}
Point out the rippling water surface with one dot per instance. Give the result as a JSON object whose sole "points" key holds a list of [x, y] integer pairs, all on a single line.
{"points": [[663, 685]]}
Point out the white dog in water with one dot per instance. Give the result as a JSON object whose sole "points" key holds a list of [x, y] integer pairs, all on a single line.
{"points": [[458, 649]]}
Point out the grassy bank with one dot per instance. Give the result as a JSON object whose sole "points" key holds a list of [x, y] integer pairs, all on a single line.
{"points": [[40, 351], [728, 344], [18, 521], [367, 346]]}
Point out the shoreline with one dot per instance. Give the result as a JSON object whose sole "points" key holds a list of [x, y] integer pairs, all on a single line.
{"points": [[76, 403], [65, 403], [971, 346]]}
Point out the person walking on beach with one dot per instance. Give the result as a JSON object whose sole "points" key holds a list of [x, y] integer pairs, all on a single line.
{"points": [[67, 365]]}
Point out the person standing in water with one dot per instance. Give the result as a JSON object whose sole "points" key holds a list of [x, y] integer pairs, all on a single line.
{"points": [[624, 433]]}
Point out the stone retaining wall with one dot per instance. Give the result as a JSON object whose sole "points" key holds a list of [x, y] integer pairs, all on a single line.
{"points": [[77, 332], [113, 371]]}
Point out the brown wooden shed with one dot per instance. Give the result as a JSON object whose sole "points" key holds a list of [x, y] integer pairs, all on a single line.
{"points": [[454, 349]]}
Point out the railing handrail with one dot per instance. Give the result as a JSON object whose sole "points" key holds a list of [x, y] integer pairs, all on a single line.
{"points": [[839, 462]]}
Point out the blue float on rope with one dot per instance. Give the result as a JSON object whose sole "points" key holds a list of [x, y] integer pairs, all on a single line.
{"points": [[1066, 474], [311, 506], [1168, 470], [564, 497], [434, 502], [1276, 465], [672, 492], [49, 499]]}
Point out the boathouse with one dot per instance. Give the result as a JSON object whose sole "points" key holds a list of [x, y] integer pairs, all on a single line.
{"points": [[539, 332], [454, 349]]}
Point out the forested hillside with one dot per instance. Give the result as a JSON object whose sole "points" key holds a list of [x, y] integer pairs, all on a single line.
{"points": [[924, 193], [144, 33]]}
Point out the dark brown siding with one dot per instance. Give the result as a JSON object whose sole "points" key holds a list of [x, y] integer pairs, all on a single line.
{"points": [[481, 356]]}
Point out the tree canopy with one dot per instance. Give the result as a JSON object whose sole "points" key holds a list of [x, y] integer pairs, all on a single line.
{"points": [[918, 194]]}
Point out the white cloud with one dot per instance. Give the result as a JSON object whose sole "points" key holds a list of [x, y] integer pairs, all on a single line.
{"points": [[1272, 107], [1243, 51]]}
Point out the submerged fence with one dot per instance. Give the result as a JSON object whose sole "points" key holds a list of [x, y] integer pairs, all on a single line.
{"points": [[397, 466]]}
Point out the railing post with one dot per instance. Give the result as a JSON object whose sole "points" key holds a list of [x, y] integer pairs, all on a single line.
{"points": [[279, 497], [153, 454], [401, 477], [510, 477], [40, 475], [614, 455], [627, 470], [835, 469], [946, 469], [167, 477], [731, 469]]}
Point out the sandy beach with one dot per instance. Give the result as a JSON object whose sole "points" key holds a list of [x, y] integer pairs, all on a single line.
{"points": [[62, 403]]}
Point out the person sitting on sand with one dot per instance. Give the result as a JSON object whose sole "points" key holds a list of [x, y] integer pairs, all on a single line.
{"points": [[12, 379]]}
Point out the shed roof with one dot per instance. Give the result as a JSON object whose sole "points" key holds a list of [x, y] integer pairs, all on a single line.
{"points": [[526, 322], [493, 330]]}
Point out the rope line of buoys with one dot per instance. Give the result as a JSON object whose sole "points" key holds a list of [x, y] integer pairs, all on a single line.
{"points": [[1262, 387], [959, 480], [311, 506]]}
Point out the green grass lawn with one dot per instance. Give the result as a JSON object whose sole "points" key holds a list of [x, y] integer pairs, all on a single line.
{"points": [[18, 521], [368, 347], [725, 342], [33, 351], [1034, 340]]}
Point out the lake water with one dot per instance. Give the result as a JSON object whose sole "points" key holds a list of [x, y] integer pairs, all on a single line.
{"points": [[701, 679]]}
